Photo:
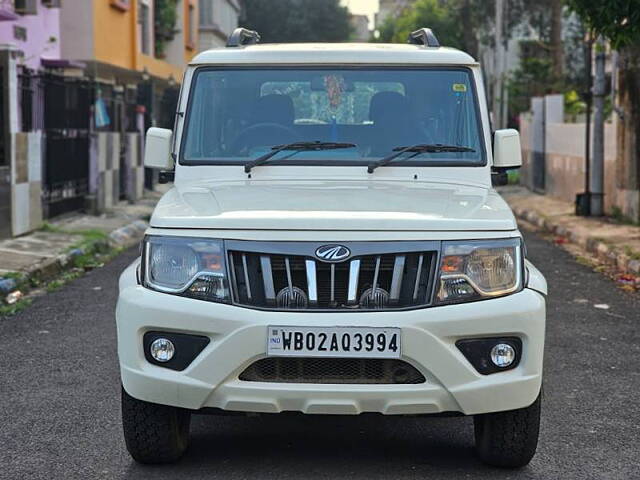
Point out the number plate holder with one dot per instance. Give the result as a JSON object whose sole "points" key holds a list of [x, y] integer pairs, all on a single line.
{"points": [[343, 342]]}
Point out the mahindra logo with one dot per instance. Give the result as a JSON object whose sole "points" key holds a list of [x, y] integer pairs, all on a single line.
{"points": [[333, 253]]}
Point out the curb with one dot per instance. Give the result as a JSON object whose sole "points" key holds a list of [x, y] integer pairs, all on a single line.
{"points": [[123, 237], [129, 235], [601, 250]]}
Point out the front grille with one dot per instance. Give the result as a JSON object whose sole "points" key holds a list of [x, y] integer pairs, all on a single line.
{"points": [[277, 280], [332, 370]]}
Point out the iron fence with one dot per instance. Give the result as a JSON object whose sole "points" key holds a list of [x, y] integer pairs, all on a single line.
{"points": [[69, 111], [31, 100], [67, 125]]}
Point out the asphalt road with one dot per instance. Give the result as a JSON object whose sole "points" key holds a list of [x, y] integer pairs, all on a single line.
{"points": [[60, 406]]}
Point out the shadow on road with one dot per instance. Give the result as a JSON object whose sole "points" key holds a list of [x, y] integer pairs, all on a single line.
{"points": [[325, 447]]}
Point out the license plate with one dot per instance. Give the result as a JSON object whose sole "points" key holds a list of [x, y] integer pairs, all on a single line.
{"points": [[364, 342]]}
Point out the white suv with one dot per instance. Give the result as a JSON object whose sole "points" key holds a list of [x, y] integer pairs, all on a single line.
{"points": [[332, 245]]}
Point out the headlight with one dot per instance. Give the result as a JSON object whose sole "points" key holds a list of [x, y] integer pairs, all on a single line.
{"points": [[193, 267], [479, 269]]}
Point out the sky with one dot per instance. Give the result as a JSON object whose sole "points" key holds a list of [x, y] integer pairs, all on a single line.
{"points": [[362, 7]]}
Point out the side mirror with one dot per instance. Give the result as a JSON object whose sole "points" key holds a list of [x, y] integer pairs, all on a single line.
{"points": [[157, 151], [506, 149]]}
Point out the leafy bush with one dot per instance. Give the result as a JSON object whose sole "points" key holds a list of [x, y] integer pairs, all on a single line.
{"points": [[165, 18]]}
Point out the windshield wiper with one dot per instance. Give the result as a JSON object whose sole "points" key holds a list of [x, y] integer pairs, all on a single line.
{"points": [[297, 146], [416, 150]]}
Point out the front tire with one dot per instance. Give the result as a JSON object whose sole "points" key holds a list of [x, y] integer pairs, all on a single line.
{"points": [[154, 433], [508, 439]]}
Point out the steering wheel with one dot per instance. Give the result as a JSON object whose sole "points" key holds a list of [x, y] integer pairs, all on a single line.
{"points": [[267, 133]]}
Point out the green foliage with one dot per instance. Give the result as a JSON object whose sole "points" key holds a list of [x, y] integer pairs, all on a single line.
{"points": [[573, 104], [47, 227], [8, 310], [456, 23], [96, 251], [92, 241], [529, 80], [63, 279], [89, 235], [17, 276], [616, 20], [618, 216], [386, 31], [513, 177], [22, 282], [284, 21], [165, 19], [441, 17], [630, 252]]}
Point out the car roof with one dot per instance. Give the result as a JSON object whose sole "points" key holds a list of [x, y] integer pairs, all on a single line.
{"points": [[333, 53]]}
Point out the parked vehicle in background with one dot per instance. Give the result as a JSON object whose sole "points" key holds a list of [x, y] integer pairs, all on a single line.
{"points": [[332, 245]]}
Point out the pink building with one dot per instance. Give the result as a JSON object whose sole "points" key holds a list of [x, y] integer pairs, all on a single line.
{"points": [[33, 27]]}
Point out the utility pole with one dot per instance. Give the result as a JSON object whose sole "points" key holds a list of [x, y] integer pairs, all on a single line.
{"points": [[498, 68], [504, 94], [597, 159]]}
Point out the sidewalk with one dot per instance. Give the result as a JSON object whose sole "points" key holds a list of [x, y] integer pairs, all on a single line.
{"points": [[46, 253], [614, 243]]}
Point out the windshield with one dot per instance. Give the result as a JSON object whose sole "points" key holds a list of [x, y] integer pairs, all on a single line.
{"points": [[238, 115]]}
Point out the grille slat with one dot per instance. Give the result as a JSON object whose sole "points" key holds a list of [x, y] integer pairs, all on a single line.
{"points": [[267, 279], [245, 270], [398, 270], [418, 274], [312, 282], [354, 273], [366, 282], [332, 371]]}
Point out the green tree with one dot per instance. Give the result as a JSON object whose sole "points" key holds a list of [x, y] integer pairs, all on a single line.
{"points": [[285, 21], [164, 24], [545, 17], [425, 13], [454, 22], [530, 79], [465, 24], [619, 22], [462, 24]]}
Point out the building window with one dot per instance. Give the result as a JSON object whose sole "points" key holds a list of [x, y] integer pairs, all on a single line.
{"points": [[144, 27], [20, 33], [122, 5], [205, 10], [26, 7]]}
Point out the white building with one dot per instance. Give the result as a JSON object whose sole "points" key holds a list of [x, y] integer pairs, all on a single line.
{"points": [[218, 19]]}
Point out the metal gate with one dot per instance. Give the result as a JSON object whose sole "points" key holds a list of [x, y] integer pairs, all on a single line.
{"points": [[67, 109]]}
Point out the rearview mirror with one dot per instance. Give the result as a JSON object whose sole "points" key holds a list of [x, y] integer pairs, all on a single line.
{"points": [[506, 149], [157, 151]]}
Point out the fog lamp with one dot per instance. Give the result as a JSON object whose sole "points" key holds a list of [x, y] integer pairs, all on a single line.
{"points": [[503, 355], [162, 350]]}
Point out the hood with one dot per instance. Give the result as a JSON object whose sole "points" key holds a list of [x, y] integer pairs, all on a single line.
{"points": [[333, 205]]}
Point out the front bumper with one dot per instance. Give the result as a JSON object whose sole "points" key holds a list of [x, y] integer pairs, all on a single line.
{"points": [[238, 338]]}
